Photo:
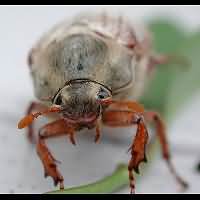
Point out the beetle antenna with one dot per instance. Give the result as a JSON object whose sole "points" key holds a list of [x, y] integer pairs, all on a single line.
{"points": [[27, 120]]}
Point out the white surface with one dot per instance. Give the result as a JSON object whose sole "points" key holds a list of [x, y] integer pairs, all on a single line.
{"points": [[21, 170]]}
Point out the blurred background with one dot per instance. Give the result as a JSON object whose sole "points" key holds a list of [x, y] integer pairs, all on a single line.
{"points": [[21, 170]]}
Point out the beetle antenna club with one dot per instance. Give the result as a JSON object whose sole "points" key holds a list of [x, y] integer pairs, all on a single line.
{"points": [[27, 120]]}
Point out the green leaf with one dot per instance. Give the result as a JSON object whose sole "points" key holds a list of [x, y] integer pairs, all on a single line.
{"points": [[185, 85], [168, 36], [106, 185]]}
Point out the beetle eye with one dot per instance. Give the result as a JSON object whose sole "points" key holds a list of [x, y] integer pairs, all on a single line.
{"points": [[58, 100], [103, 94]]}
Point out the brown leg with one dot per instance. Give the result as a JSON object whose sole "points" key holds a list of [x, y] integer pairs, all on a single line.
{"points": [[33, 106], [53, 129], [167, 59], [127, 118], [126, 105], [98, 131], [161, 133]]}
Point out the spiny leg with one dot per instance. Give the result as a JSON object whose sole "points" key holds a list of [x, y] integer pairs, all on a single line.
{"points": [[30, 132], [53, 129], [120, 118], [161, 133]]}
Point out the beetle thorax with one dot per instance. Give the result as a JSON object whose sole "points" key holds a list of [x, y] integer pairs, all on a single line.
{"points": [[80, 55]]}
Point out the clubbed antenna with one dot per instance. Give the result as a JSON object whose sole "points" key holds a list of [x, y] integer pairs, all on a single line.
{"points": [[27, 120]]}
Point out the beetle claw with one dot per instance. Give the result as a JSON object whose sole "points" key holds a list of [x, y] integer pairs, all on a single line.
{"points": [[97, 138], [56, 181], [46, 174], [136, 169], [145, 158], [72, 139]]}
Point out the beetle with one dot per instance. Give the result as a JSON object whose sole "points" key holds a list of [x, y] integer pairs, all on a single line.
{"points": [[89, 72]]}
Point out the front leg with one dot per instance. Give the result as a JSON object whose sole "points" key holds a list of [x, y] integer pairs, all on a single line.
{"points": [[53, 129], [151, 116], [126, 118]]}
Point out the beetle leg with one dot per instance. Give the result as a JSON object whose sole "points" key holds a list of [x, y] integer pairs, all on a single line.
{"points": [[161, 59], [97, 136], [124, 105], [127, 118], [161, 133], [72, 138], [98, 132], [53, 129], [33, 106]]}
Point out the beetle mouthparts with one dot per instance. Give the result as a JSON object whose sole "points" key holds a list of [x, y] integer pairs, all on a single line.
{"points": [[87, 118]]}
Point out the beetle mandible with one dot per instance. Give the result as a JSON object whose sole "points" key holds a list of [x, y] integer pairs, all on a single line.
{"points": [[90, 72]]}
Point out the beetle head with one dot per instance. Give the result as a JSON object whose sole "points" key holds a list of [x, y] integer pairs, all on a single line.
{"points": [[82, 100]]}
